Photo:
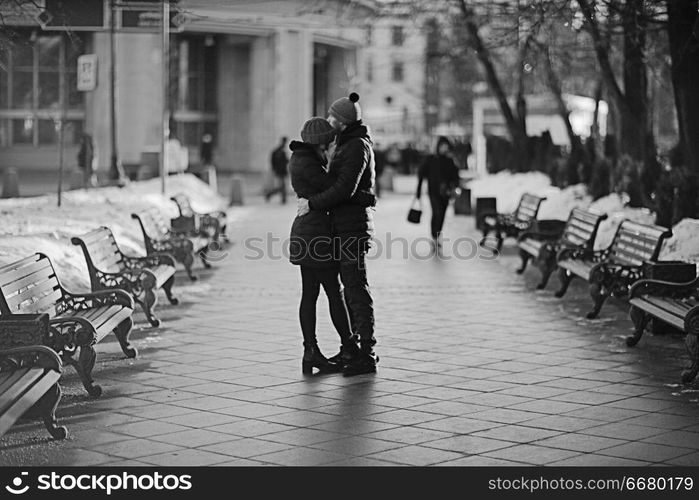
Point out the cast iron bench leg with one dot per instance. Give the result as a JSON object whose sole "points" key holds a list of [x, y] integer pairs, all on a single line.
{"points": [[693, 348], [547, 266], [525, 258], [149, 300], [640, 320], [46, 406], [122, 332], [565, 277], [203, 257], [167, 288], [599, 294], [83, 366]]}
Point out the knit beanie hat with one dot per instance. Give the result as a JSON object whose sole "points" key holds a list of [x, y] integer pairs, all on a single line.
{"points": [[317, 130], [346, 109]]}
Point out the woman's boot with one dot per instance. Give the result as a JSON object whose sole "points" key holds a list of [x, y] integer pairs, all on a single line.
{"points": [[312, 357]]}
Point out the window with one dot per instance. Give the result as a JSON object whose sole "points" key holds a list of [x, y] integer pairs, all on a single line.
{"points": [[37, 83], [397, 72], [369, 35], [194, 92], [369, 71], [397, 36]]}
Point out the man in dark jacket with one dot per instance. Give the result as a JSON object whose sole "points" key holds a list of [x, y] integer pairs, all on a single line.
{"points": [[279, 161], [352, 167]]}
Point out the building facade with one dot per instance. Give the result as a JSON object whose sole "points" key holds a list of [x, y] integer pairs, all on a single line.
{"points": [[394, 74], [245, 72]]}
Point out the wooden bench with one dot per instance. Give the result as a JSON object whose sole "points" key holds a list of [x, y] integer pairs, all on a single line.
{"points": [[77, 321], [212, 224], [674, 303], [546, 238], [142, 277], [159, 238], [504, 225], [29, 373], [611, 271]]}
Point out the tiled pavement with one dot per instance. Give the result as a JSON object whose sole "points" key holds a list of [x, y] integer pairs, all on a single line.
{"points": [[476, 368]]}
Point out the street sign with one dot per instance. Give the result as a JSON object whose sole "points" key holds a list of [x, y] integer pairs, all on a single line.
{"points": [[138, 20], [93, 15], [87, 72], [74, 15]]}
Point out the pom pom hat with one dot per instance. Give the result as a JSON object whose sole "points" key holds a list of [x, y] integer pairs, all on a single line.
{"points": [[317, 130], [346, 109]]}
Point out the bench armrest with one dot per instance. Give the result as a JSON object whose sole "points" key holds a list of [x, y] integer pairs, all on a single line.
{"points": [[152, 260], [67, 333], [664, 288], [29, 356], [79, 301]]}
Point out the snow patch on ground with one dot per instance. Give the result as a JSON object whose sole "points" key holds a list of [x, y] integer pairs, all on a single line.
{"points": [[37, 224], [508, 188], [684, 243]]}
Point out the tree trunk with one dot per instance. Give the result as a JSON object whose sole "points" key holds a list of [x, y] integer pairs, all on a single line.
{"points": [[632, 101], [520, 158], [634, 112], [683, 31]]}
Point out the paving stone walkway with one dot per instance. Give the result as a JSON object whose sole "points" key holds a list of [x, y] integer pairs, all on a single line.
{"points": [[477, 368]]}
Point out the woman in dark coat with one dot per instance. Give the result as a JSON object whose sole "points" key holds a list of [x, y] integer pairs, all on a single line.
{"points": [[311, 246], [442, 176]]}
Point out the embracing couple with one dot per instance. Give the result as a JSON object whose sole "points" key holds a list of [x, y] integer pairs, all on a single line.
{"points": [[331, 232]]}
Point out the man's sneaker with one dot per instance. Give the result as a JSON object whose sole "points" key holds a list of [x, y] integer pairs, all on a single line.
{"points": [[364, 363]]}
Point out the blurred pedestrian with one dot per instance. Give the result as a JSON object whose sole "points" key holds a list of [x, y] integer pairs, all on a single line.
{"points": [[311, 245], [206, 150], [86, 160], [279, 161], [442, 176]]}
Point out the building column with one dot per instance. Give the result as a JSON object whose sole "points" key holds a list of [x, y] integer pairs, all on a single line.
{"points": [[139, 97], [294, 81], [262, 130], [235, 87]]}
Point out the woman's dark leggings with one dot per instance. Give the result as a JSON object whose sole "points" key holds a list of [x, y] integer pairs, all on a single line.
{"points": [[439, 206], [312, 278]]}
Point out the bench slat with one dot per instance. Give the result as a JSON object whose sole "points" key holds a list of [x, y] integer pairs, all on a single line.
{"points": [[98, 253], [671, 305], [19, 385], [42, 275], [47, 304], [11, 378], [30, 397], [4, 376], [20, 269], [577, 267], [109, 325], [658, 312]]}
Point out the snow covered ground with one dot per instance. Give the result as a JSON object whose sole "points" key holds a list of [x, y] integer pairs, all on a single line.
{"points": [[37, 224], [508, 188]]}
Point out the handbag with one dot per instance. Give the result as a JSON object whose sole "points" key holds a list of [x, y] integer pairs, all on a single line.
{"points": [[415, 212]]}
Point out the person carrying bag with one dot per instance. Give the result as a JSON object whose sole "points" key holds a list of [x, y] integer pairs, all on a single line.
{"points": [[442, 176]]}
